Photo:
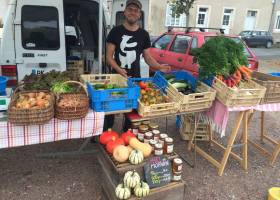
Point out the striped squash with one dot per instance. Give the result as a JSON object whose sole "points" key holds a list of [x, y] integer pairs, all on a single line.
{"points": [[142, 189], [136, 157], [131, 179], [122, 192]]}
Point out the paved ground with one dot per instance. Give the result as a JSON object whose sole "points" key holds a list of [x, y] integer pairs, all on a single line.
{"points": [[23, 176], [264, 53]]}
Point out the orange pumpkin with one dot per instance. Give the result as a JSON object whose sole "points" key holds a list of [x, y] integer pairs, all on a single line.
{"points": [[107, 136], [127, 135]]}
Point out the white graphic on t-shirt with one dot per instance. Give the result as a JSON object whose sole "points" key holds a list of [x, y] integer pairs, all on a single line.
{"points": [[130, 55]]}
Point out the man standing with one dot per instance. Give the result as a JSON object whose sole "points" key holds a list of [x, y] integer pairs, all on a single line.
{"points": [[125, 45]]}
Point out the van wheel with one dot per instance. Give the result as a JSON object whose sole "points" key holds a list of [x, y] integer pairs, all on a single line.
{"points": [[268, 44]]}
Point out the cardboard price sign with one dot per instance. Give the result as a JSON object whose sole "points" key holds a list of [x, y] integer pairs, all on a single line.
{"points": [[158, 171]]}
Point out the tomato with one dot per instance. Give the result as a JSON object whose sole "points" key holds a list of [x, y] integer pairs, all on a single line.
{"points": [[142, 85]]}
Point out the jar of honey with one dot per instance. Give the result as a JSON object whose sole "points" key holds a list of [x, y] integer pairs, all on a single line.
{"points": [[135, 127], [141, 132], [156, 135], [147, 137], [153, 126], [168, 146], [158, 149], [177, 176], [162, 138], [177, 165]]}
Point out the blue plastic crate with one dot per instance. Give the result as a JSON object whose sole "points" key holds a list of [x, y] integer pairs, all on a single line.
{"points": [[180, 75], [111, 99], [156, 79], [275, 73], [3, 84], [109, 106]]}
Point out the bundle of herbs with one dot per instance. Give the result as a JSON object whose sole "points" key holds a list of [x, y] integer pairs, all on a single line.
{"points": [[45, 81], [219, 56]]}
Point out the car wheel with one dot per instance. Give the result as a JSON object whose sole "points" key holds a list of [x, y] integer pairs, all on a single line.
{"points": [[268, 44]]}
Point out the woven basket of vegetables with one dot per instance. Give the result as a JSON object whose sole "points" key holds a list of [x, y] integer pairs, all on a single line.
{"points": [[72, 105], [31, 107]]}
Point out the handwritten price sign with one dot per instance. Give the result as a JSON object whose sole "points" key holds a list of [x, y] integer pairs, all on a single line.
{"points": [[158, 171]]}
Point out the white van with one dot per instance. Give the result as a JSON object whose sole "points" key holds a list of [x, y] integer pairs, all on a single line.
{"points": [[40, 35]]}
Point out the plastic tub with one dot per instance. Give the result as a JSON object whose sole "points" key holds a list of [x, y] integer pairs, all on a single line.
{"points": [[3, 84]]}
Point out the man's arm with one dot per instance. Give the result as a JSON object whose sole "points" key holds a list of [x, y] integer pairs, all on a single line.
{"points": [[154, 65], [110, 49]]}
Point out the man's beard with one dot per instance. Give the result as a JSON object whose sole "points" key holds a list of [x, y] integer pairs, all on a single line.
{"points": [[132, 22]]}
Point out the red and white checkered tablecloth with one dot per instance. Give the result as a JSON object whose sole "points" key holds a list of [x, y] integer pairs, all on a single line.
{"points": [[12, 135]]}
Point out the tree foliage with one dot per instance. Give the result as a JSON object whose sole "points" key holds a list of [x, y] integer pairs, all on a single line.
{"points": [[179, 7]]}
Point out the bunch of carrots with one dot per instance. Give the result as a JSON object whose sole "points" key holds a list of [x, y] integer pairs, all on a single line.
{"points": [[242, 73]]}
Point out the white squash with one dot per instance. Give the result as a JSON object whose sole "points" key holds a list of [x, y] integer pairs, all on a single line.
{"points": [[131, 179], [142, 189], [121, 153], [136, 157], [122, 192]]}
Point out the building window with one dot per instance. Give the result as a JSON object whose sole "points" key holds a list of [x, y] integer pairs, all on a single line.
{"points": [[227, 15], [277, 21], [202, 17], [251, 13], [174, 21]]}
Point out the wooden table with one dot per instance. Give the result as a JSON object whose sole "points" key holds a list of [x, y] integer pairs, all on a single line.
{"points": [[220, 165], [264, 136]]}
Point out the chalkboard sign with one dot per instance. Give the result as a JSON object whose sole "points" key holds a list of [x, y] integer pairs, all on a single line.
{"points": [[158, 171]]}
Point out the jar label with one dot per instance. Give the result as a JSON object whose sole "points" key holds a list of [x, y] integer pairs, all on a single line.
{"points": [[141, 136], [177, 177], [180, 167], [146, 141], [169, 149], [158, 152], [135, 131], [156, 138]]}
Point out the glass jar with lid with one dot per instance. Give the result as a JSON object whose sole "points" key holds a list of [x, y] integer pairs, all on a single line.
{"points": [[141, 132], [147, 137], [177, 176], [158, 149], [162, 137], [153, 126], [177, 165], [135, 127], [156, 135], [153, 143], [168, 145], [146, 122]]}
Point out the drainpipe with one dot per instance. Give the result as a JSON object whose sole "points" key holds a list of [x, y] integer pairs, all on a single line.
{"points": [[100, 36], [271, 17]]}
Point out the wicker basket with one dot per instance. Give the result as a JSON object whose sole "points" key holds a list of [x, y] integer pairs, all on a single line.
{"points": [[201, 100], [72, 112], [232, 97], [272, 85], [30, 116]]}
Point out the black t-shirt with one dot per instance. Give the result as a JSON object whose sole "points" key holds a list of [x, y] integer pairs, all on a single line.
{"points": [[129, 47]]}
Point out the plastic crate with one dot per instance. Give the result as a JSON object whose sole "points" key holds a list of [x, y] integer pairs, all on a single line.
{"points": [[275, 73], [3, 84], [111, 99]]}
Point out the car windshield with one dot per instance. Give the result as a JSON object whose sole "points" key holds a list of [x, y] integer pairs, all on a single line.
{"points": [[245, 33], [237, 40]]}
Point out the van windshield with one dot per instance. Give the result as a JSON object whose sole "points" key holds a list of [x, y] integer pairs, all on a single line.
{"points": [[39, 28]]}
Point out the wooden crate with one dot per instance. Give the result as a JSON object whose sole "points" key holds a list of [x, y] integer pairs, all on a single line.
{"points": [[102, 78], [272, 85], [117, 170], [187, 126], [232, 97], [76, 67], [157, 109], [174, 190], [199, 101]]}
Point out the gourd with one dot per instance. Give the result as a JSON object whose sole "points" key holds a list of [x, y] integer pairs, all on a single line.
{"points": [[131, 179], [127, 135], [122, 192], [142, 189], [111, 145], [108, 136], [145, 148], [121, 153], [136, 157]]}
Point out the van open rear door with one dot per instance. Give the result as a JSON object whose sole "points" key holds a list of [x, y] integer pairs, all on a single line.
{"points": [[39, 36]]}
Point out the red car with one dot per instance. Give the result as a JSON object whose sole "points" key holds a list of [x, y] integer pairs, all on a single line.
{"points": [[173, 48]]}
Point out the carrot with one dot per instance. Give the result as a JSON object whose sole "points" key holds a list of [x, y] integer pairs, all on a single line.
{"points": [[244, 73], [237, 76], [247, 69]]}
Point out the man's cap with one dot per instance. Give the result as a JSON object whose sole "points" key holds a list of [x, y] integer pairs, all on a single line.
{"points": [[135, 2]]}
